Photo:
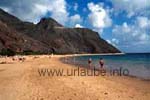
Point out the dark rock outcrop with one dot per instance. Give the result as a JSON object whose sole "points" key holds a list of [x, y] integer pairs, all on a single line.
{"points": [[48, 36], [11, 39]]}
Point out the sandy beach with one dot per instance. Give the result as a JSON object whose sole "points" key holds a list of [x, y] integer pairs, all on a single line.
{"points": [[20, 80]]}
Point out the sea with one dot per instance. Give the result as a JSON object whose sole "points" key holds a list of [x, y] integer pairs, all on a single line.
{"points": [[137, 64]]}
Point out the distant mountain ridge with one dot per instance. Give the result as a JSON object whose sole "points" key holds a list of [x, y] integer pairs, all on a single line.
{"points": [[48, 36]]}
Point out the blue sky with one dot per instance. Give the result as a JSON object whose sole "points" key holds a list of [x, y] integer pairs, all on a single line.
{"points": [[123, 23]]}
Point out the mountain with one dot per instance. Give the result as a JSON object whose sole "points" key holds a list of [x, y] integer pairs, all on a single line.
{"points": [[9, 38], [48, 36]]}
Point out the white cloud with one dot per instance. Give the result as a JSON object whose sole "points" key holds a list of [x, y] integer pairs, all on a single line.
{"points": [[6, 9], [75, 19], [126, 28], [132, 7], [58, 10], [33, 10], [143, 22], [78, 26], [113, 42], [132, 35], [98, 17], [108, 41]]}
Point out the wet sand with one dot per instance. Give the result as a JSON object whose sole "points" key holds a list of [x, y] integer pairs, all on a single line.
{"points": [[21, 81]]}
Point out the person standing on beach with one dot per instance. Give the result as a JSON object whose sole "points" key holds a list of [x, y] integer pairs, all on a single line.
{"points": [[90, 62], [101, 63]]}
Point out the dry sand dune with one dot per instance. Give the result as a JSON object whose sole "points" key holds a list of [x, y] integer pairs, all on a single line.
{"points": [[21, 81]]}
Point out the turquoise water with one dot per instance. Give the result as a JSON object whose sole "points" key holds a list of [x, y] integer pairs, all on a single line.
{"points": [[138, 65]]}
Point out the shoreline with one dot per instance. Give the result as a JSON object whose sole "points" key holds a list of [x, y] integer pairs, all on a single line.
{"points": [[85, 67], [73, 55], [21, 81]]}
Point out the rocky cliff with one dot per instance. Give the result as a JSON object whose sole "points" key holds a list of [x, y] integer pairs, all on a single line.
{"points": [[48, 36]]}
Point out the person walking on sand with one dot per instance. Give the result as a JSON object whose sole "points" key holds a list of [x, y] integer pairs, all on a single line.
{"points": [[101, 63], [90, 62]]}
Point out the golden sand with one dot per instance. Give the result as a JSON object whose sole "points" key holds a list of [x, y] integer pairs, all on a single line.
{"points": [[20, 80]]}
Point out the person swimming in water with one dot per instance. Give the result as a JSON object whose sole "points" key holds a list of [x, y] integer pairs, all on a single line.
{"points": [[90, 62], [101, 63]]}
